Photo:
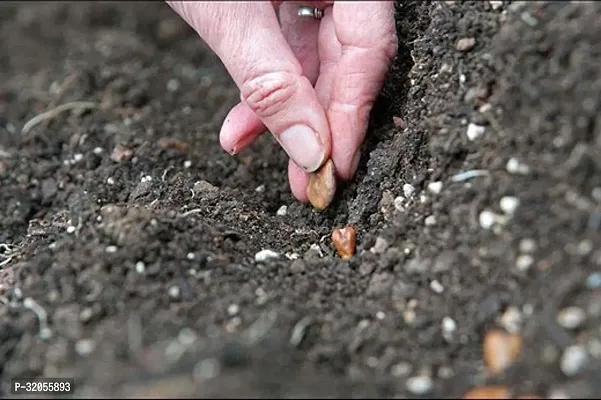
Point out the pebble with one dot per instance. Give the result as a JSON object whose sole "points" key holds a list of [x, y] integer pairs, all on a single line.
{"points": [[71, 229], [449, 326], [573, 360], [474, 131], [419, 384], [514, 166], [174, 292], [140, 267], [571, 317], [511, 320], [282, 211], [430, 220], [233, 309], [436, 286], [593, 281], [380, 246], [527, 246], [500, 349], [465, 44], [523, 262], [399, 203], [187, 164], [111, 249], [401, 369], [509, 204], [487, 219], [265, 254], [298, 266], [260, 189], [408, 190], [84, 347], [435, 187]]}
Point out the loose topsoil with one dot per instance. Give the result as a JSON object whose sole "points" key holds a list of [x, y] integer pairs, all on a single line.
{"points": [[128, 236]]}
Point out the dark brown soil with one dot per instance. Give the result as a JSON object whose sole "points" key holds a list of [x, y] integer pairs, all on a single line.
{"points": [[150, 285]]}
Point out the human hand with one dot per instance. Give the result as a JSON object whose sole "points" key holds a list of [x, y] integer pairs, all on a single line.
{"points": [[311, 83]]}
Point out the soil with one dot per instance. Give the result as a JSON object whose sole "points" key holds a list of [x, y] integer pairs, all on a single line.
{"points": [[128, 236]]}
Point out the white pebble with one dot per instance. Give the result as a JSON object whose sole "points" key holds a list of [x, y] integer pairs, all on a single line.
{"points": [[174, 292], [430, 220], [111, 249], [399, 203], [571, 317], [140, 267], [419, 384], [260, 189], [435, 187], [282, 211], [84, 347], [98, 150], [233, 309], [523, 262], [487, 219], [380, 315], [71, 229], [408, 190], [190, 256], [448, 325], [110, 181], [380, 246], [573, 360], [78, 157], [187, 164], [527, 246], [423, 198], [265, 254], [436, 286], [511, 320], [514, 166], [474, 131], [509, 204]]}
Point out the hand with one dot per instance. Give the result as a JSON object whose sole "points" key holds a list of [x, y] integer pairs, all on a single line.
{"points": [[311, 83]]}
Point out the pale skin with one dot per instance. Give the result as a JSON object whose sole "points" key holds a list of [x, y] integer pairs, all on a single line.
{"points": [[311, 83]]}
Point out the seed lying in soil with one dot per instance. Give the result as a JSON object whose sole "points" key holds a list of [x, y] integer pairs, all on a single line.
{"points": [[488, 392], [322, 186], [344, 241], [500, 350]]}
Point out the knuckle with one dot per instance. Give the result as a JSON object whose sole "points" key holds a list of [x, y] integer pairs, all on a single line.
{"points": [[268, 94]]}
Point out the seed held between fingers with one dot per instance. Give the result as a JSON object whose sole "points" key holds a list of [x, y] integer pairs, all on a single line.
{"points": [[322, 186], [344, 241]]}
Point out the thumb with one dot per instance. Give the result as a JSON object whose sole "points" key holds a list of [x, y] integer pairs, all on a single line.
{"points": [[247, 38]]}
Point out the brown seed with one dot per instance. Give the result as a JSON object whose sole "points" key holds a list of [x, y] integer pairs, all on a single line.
{"points": [[322, 186], [488, 392], [500, 350], [344, 241]]}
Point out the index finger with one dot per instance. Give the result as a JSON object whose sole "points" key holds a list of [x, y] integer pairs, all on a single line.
{"points": [[367, 35]]}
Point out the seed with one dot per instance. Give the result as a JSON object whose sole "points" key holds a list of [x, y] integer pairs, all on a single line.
{"points": [[344, 241], [500, 350], [488, 392], [322, 186]]}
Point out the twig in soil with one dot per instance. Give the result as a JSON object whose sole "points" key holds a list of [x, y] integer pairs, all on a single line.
{"points": [[463, 176], [55, 112], [299, 331], [30, 304], [190, 212]]}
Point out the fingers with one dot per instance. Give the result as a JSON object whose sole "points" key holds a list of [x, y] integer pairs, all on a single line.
{"points": [[330, 52], [248, 40], [367, 34]]}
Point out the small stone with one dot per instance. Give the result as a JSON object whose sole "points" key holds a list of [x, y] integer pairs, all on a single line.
{"points": [[401, 369], [435, 187], [449, 326], [527, 246], [233, 309], [187, 164], [190, 256], [511, 320], [408, 191], [487, 219], [380, 246], [523, 262], [111, 249], [260, 189], [593, 281], [500, 349], [204, 188], [488, 392], [85, 347], [419, 385], [573, 360], [514, 166], [436, 286], [140, 267], [174, 292], [465, 44], [430, 220], [399, 203], [474, 131], [282, 211], [509, 204], [398, 122], [71, 229], [571, 317], [265, 254]]}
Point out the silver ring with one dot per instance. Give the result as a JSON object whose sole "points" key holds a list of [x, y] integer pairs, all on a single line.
{"points": [[306, 11]]}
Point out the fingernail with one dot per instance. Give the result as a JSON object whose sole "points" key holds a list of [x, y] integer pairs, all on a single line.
{"points": [[355, 164], [303, 147]]}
